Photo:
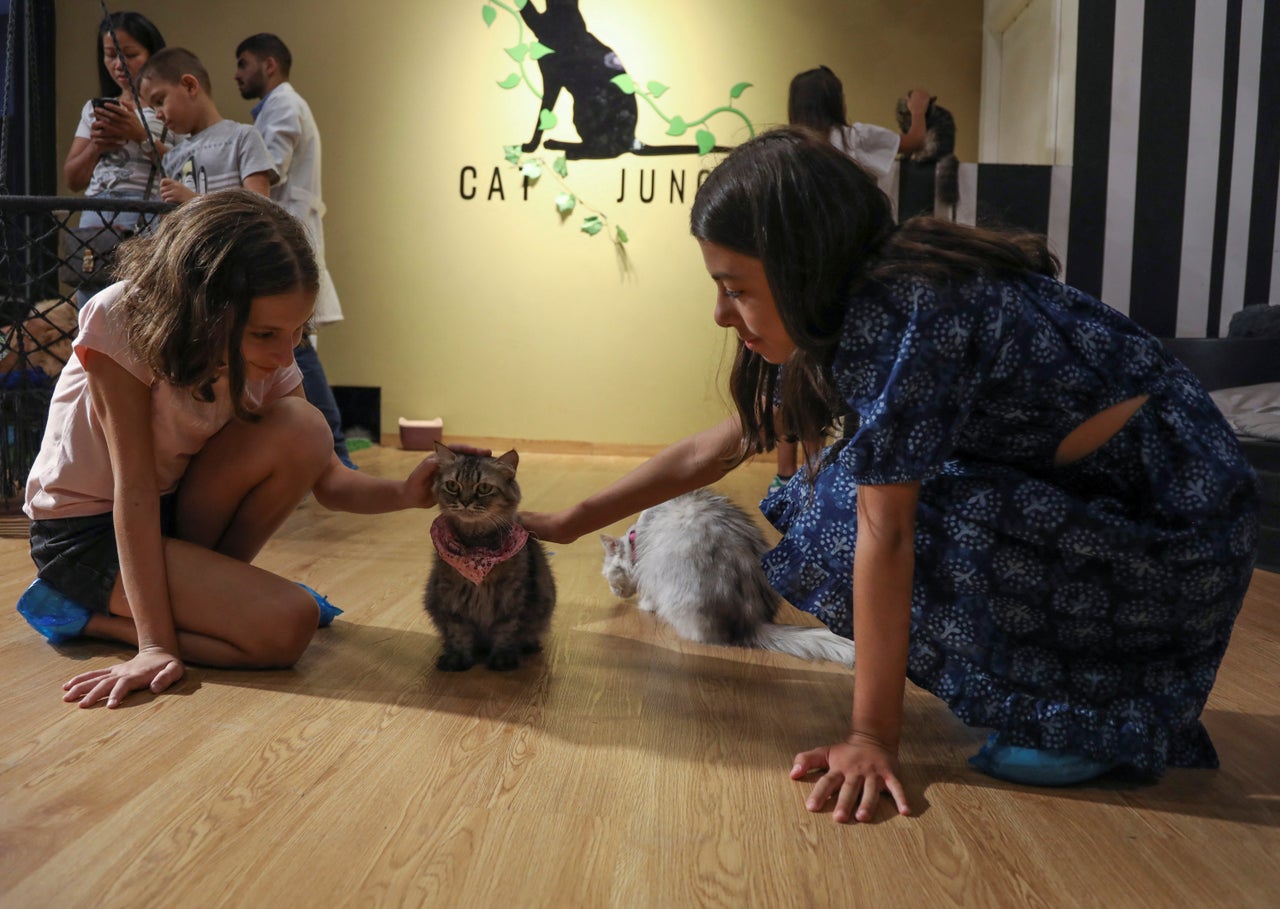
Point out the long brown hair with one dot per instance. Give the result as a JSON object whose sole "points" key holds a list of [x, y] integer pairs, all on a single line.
{"points": [[192, 285], [816, 100], [822, 228]]}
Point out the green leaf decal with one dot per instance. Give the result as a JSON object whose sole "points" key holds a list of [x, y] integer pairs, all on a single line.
{"points": [[560, 166], [547, 120], [538, 50], [657, 89], [511, 81], [625, 83], [622, 236], [737, 90], [521, 4], [511, 153], [706, 142], [531, 170], [565, 203], [592, 225], [489, 14], [677, 127], [518, 53]]}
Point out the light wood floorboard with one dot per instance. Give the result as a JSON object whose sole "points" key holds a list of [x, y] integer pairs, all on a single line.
{"points": [[624, 767]]}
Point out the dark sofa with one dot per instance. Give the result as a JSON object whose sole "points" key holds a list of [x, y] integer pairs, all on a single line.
{"points": [[1230, 363]]}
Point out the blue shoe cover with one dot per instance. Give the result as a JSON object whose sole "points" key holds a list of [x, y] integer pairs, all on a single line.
{"points": [[1034, 766], [328, 612], [57, 617]]}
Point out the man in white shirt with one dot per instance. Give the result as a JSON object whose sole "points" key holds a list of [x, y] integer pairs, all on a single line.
{"points": [[285, 121]]}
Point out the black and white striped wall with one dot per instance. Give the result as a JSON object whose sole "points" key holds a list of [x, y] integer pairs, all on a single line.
{"points": [[1169, 209]]}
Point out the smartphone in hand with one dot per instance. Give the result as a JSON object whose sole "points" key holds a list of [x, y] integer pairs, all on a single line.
{"points": [[103, 102]]}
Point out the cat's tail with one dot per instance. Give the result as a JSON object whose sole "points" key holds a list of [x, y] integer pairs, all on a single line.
{"points": [[946, 180], [805, 642]]}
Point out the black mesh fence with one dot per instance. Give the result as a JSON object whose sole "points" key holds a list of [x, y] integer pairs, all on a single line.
{"points": [[53, 251]]}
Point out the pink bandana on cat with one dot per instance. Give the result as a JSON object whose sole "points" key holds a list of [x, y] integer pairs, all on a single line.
{"points": [[474, 564]]}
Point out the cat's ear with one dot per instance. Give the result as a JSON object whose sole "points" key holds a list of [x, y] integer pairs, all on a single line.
{"points": [[610, 544], [510, 458], [444, 454]]}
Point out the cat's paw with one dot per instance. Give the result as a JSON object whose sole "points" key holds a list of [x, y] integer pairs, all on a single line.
{"points": [[453, 661], [503, 661]]}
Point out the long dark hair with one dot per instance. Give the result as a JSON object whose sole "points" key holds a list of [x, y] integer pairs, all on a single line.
{"points": [[816, 100], [192, 285], [138, 27], [822, 228]]}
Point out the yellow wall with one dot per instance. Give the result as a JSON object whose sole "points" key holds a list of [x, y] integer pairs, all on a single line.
{"points": [[495, 314]]}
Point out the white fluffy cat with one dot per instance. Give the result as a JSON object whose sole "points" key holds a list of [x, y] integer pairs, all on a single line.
{"points": [[695, 563]]}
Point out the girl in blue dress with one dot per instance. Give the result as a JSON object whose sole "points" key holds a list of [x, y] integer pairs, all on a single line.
{"points": [[1036, 513]]}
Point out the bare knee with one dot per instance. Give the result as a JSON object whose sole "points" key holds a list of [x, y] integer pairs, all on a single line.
{"points": [[303, 434], [289, 438], [282, 639]]}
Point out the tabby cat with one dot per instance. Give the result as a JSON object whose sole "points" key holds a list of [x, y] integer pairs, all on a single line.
{"points": [[939, 146], [695, 563], [490, 592]]}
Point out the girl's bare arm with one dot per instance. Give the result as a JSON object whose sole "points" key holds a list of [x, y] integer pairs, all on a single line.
{"points": [[123, 405], [689, 464]]}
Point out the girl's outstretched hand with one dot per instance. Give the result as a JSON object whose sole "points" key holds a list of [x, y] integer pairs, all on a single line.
{"points": [[857, 771], [152, 669], [549, 526]]}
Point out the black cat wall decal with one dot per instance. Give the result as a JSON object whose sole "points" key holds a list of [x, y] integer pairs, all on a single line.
{"points": [[583, 65], [605, 109]]}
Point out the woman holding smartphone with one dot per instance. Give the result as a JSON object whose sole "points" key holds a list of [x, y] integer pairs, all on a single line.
{"points": [[111, 155]]}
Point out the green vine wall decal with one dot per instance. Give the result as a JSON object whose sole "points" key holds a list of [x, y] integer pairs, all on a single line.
{"points": [[607, 129], [531, 167], [678, 126]]}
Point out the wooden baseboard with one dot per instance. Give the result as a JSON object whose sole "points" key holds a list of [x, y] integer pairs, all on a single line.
{"points": [[14, 526], [541, 446]]}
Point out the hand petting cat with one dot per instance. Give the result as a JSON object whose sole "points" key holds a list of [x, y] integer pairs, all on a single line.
{"points": [[913, 134], [918, 101], [342, 489], [417, 486], [550, 526]]}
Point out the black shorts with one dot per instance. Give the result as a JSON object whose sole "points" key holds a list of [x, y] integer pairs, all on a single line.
{"points": [[78, 556]]}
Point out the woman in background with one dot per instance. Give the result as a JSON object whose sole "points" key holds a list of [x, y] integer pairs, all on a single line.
{"points": [[816, 100], [111, 155]]}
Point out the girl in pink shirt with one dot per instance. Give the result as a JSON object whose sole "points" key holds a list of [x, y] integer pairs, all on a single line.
{"points": [[178, 442]]}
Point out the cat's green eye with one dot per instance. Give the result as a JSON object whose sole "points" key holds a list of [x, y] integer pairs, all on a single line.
{"points": [[451, 487], [484, 489]]}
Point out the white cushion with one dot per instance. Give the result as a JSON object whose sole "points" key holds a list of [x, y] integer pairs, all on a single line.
{"points": [[1252, 410]]}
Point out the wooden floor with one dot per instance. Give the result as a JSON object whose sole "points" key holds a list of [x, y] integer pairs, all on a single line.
{"points": [[623, 768]]}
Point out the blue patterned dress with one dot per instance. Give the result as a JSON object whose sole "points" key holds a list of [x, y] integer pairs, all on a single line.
{"points": [[1083, 608]]}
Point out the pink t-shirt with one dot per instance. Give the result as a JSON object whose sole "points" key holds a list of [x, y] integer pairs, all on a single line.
{"points": [[72, 475]]}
